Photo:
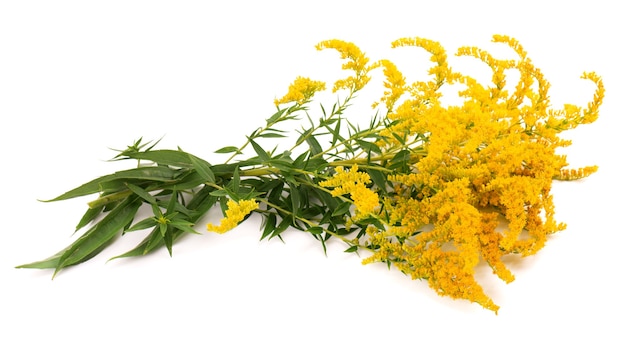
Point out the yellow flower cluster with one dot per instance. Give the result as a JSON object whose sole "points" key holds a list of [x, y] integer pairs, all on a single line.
{"points": [[482, 189], [301, 90], [235, 213], [357, 62], [354, 183]]}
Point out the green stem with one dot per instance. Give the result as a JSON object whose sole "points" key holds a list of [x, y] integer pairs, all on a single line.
{"points": [[109, 198], [260, 131]]}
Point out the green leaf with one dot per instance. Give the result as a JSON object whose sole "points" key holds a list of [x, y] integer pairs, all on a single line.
{"points": [[275, 117], [314, 145], [336, 133], [281, 164], [203, 168], [228, 149], [402, 156], [188, 181], [269, 225], [162, 229], [345, 231], [95, 239], [282, 226], [184, 226], [153, 173], [226, 170], [263, 155], [313, 165], [153, 241], [219, 193], [89, 216], [368, 146], [315, 230], [378, 178], [342, 209], [53, 261], [143, 194], [172, 203], [168, 239], [165, 157], [143, 224], [400, 160], [271, 135], [294, 194], [352, 249]]}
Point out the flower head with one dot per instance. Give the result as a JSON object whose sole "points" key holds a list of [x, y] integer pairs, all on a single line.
{"points": [[235, 213], [353, 182], [301, 91]]}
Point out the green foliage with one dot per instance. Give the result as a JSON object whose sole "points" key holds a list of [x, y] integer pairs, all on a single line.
{"points": [[180, 188]]}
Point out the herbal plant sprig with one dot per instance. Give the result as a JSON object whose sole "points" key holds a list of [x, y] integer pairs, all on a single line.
{"points": [[424, 187]]}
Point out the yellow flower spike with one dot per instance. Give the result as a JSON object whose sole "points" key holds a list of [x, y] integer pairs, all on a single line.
{"points": [[512, 42], [442, 71], [590, 114], [395, 84], [301, 91], [235, 213], [357, 62], [575, 174]]}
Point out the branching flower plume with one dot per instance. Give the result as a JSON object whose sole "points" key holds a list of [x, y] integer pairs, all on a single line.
{"points": [[429, 188]]}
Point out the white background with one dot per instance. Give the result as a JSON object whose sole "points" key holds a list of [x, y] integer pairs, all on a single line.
{"points": [[77, 77]]}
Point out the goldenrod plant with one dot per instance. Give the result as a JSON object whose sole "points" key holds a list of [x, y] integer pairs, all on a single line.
{"points": [[430, 188]]}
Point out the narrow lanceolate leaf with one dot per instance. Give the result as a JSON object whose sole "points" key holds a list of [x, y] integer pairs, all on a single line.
{"points": [[369, 146], [282, 226], [153, 173], [89, 216], [276, 116], [336, 135], [342, 209], [168, 239], [315, 230], [143, 224], [271, 135], [143, 194], [184, 226], [203, 168], [269, 225], [99, 234], [234, 183], [165, 157], [352, 249], [263, 155], [53, 261], [93, 241], [294, 194], [378, 178], [188, 181], [314, 145], [228, 149]]}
